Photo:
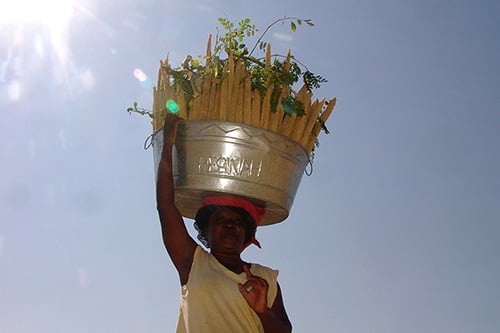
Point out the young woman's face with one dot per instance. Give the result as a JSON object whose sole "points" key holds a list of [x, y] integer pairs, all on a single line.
{"points": [[226, 230]]}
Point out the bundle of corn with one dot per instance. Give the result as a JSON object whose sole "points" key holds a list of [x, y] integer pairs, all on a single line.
{"points": [[229, 96]]}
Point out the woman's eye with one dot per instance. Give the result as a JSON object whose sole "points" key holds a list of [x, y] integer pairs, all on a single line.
{"points": [[238, 223]]}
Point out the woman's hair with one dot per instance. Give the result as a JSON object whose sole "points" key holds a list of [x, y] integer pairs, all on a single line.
{"points": [[204, 213]]}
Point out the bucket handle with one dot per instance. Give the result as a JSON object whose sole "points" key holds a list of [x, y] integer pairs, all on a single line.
{"points": [[148, 142], [309, 162]]}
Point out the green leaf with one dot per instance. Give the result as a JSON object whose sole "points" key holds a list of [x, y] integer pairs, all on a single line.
{"points": [[293, 26]]}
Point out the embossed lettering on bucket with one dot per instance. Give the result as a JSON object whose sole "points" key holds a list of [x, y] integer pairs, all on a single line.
{"points": [[216, 157]]}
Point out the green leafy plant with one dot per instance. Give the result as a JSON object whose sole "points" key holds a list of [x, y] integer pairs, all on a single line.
{"points": [[135, 108], [233, 42], [274, 73]]}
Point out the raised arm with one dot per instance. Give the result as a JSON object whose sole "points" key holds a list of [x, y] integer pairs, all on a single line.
{"points": [[179, 244]]}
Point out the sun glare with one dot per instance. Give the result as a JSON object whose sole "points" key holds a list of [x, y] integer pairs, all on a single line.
{"points": [[35, 35], [47, 12]]}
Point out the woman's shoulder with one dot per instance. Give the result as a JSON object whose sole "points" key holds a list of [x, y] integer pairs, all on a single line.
{"points": [[264, 271], [200, 252]]}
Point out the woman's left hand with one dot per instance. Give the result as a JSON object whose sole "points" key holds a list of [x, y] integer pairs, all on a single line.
{"points": [[254, 290]]}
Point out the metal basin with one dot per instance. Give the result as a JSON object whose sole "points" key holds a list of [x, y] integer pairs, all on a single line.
{"points": [[215, 157]]}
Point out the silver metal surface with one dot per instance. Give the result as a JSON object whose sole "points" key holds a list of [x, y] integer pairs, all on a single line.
{"points": [[224, 158]]}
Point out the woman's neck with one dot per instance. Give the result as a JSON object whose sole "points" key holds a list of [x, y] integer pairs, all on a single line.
{"points": [[233, 262]]}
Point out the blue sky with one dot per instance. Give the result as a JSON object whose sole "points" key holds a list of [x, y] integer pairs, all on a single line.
{"points": [[397, 229]]}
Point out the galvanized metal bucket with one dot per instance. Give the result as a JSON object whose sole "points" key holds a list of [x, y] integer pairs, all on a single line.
{"points": [[225, 158]]}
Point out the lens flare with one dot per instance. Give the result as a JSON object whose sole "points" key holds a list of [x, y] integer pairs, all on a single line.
{"points": [[83, 277], [172, 106], [14, 90], [140, 75], [143, 79], [289, 109]]}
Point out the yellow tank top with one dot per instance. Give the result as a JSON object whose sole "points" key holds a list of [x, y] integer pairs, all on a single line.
{"points": [[211, 301]]}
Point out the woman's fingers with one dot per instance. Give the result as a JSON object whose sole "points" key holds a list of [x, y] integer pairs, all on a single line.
{"points": [[247, 271], [170, 128], [255, 291], [252, 281], [246, 287]]}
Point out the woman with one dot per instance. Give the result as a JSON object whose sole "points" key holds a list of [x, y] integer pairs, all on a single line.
{"points": [[220, 292]]}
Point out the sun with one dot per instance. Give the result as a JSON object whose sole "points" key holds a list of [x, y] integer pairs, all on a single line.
{"points": [[51, 13], [35, 36]]}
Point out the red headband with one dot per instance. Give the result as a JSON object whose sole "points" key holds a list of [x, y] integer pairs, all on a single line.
{"points": [[255, 211]]}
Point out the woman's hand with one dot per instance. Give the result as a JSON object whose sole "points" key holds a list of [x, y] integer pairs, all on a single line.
{"points": [[170, 128], [254, 290]]}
